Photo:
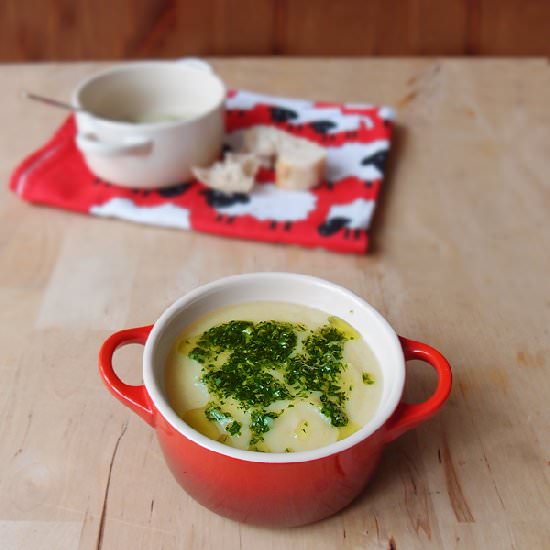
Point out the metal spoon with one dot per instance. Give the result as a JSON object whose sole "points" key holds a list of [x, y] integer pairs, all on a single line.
{"points": [[67, 106], [53, 102]]}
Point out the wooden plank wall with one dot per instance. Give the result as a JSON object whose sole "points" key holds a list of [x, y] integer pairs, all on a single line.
{"points": [[35, 30]]}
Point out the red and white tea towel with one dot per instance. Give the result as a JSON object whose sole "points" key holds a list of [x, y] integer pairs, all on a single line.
{"points": [[335, 215]]}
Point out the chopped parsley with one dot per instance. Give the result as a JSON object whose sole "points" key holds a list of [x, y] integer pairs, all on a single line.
{"points": [[215, 414], [261, 423], [257, 364], [234, 428], [318, 369], [368, 379]]}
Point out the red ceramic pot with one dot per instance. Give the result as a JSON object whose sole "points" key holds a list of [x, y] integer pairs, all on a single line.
{"points": [[274, 489]]}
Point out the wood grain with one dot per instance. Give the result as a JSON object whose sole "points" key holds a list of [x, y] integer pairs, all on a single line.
{"points": [[133, 29], [514, 28], [127, 29], [460, 261], [378, 27]]}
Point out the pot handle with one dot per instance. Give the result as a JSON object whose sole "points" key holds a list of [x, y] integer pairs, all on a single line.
{"points": [[196, 63], [409, 416], [88, 144], [135, 397]]}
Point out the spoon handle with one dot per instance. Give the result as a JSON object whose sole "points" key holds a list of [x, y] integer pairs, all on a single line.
{"points": [[50, 101]]}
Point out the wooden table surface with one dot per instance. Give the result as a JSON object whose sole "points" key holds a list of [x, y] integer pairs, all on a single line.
{"points": [[461, 260]]}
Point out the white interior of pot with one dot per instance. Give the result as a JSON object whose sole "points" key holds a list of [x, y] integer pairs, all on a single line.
{"points": [[298, 289], [127, 93]]}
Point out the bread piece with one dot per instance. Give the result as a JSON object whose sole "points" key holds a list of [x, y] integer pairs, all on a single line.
{"points": [[299, 163], [235, 174], [262, 140]]}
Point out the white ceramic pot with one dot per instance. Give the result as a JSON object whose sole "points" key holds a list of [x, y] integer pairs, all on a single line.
{"points": [[150, 122]]}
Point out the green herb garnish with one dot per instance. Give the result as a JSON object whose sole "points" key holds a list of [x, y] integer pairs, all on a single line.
{"points": [[318, 369], [257, 364], [234, 428], [261, 423], [368, 379], [214, 413]]}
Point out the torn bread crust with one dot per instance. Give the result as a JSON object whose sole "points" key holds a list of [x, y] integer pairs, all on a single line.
{"points": [[293, 172], [299, 163], [262, 140], [235, 174]]}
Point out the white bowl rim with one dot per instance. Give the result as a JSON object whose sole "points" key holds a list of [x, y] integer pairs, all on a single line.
{"points": [[137, 65], [160, 402]]}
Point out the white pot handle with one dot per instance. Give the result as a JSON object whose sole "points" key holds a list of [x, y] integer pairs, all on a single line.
{"points": [[196, 63], [88, 144]]}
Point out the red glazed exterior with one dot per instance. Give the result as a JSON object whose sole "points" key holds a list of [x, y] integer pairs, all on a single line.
{"points": [[265, 493], [272, 494]]}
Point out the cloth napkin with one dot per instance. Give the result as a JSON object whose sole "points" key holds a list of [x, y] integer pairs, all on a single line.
{"points": [[335, 215]]}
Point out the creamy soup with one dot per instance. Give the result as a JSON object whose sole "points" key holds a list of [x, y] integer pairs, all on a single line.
{"points": [[273, 377]]}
